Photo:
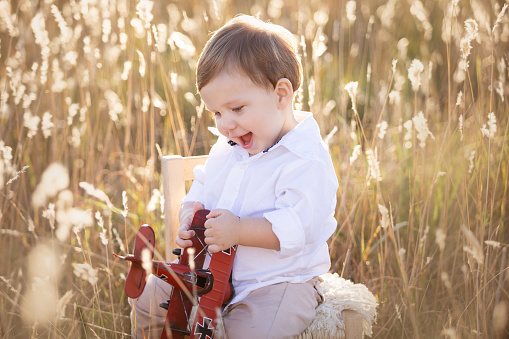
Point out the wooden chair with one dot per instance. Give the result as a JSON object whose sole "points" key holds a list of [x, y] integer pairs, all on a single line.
{"points": [[176, 170]]}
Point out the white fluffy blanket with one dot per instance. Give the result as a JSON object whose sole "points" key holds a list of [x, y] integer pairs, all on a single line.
{"points": [[341, 294]]}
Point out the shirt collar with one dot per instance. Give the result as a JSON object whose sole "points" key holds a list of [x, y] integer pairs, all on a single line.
{"points": [[302, 139]]}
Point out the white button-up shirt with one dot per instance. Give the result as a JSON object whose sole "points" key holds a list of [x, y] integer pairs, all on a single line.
{"points": [[293, 185]]}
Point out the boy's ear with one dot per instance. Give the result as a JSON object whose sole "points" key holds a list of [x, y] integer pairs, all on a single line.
{"points": [[284, 92]]}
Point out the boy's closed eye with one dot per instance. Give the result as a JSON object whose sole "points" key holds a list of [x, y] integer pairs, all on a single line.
{"points": [[237, 109]]}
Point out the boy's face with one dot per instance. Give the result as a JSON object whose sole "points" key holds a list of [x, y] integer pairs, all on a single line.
{"points": [[250, 115]]}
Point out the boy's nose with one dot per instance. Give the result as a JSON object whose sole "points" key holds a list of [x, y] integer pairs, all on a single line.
{"points": [[227, 123]]}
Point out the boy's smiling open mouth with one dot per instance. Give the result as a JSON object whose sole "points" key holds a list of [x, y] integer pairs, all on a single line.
{"points": [[246, 140]]}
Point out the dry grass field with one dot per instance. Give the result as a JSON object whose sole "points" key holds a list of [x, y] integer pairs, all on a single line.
{"points": [[412, 99]]}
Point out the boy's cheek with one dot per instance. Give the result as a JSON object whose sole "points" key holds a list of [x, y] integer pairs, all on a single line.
{"points": [[223, 131]]}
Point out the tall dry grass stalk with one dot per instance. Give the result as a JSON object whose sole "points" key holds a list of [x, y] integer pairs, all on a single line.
{"points": [[411, 97]]}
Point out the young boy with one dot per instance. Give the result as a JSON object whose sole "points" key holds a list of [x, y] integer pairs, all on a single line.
{"points": [[268, 181]]}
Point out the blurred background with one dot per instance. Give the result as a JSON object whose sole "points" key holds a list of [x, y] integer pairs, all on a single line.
{"points": [[410, 97]]}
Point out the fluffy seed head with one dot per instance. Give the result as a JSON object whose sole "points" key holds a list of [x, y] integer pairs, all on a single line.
{"points": [[385, 215], [54, 179], [414, 74], [351, 88], [490, 128]]}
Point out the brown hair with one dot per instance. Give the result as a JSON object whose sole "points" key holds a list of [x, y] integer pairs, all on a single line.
{"points": [[263, 51]]}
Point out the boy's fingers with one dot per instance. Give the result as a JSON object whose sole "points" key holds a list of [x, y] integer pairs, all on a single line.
{"points": [[214, 214], [185, 226], [213, 248], [185, 233], [207, 225], [183, 243], [197, 206]]}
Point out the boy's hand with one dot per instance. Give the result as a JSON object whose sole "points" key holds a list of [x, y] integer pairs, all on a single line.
{"points": [[222, 230], [184, 233]]}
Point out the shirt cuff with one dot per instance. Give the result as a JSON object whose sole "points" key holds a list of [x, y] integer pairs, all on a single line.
{"points": [[288, 228]]}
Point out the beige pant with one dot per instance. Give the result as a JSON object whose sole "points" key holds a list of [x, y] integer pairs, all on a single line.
{"points": [[277, 311], [147, 317]]}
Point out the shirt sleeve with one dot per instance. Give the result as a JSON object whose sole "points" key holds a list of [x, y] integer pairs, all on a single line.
{"points": [[305, 203], [196, 192]]}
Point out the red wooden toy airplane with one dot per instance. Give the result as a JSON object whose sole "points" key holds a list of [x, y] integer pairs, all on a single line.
{"points": [[212, 285]]}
